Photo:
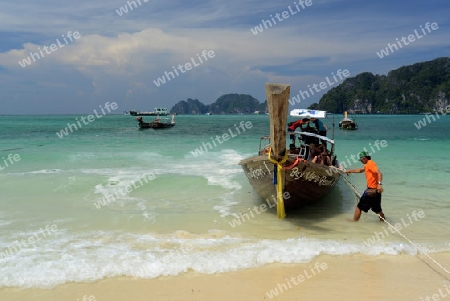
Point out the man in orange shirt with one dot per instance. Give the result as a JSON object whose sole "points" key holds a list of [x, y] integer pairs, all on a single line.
{"points": [[373, 178]]}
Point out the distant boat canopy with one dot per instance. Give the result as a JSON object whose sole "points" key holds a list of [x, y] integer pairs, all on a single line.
{"points": [[304, 113]]}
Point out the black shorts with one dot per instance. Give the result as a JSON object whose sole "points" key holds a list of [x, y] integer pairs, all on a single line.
{"points": [[366, 203]]}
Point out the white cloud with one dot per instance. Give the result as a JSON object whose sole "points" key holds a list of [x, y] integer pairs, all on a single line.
{"points": [[119, 57]]}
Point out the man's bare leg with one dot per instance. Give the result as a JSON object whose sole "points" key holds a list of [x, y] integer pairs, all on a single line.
{"points": [[381, 216], [357, 214]]}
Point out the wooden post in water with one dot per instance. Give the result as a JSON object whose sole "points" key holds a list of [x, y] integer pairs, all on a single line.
{"points": [[278, 104]]}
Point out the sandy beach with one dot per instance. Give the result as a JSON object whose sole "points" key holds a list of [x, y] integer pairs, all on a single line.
{"points": [[354, 277]]}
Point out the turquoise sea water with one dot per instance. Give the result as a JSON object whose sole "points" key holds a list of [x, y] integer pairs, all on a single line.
{"points": [[171, 211]]}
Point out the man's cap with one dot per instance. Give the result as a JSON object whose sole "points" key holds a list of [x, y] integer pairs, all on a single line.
{"points": [[363, 154]]}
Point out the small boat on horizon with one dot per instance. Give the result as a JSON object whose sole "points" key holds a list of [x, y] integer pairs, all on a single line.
{"points": [[347, 123], [157, 112]]}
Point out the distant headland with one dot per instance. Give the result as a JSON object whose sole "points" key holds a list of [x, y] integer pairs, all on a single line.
{"points": [[225, 104], [414, 89]]}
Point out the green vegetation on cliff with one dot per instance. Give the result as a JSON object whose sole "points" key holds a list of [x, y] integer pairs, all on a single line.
{"points": [[418, 88]]}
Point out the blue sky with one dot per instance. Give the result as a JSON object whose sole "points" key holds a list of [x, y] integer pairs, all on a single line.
{"points": [[118, 58]]}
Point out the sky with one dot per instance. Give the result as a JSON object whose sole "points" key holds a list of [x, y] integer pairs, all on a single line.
{"points": [[70, 57]]}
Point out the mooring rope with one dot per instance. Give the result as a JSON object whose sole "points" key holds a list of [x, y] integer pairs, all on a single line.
{"points": [[418, 248], [279, 165], [358, 194], [351, 186]]}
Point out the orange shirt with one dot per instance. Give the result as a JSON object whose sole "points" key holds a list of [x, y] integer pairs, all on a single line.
{"points": [[295, 125], [371, 170]]}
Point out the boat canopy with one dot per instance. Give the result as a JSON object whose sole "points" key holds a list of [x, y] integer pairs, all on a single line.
{"points": [[305, 113]]}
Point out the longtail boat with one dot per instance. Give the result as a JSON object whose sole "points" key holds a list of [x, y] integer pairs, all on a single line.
{"points": [[158, 123], [287, 176], [347, 123]]}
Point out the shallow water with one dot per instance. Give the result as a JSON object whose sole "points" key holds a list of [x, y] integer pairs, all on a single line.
{"points": [[184, 216]]}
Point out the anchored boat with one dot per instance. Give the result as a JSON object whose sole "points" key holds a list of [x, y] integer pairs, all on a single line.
{"points": [[347, 123], [158, 123]]}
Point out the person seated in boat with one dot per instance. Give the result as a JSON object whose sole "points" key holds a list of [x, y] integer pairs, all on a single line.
{"points": [[316, 149], [322, 159], [293, 149], [327, 158]]}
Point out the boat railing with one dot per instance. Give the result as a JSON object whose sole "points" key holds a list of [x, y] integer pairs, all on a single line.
{"points": [[301, 150], [312, 135], [264, 145]]}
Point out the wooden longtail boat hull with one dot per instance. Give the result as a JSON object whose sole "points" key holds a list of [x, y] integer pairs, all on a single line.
{"points": [[158, 123], [305, 183], [348, 125], [155, 125], [299, 182]]}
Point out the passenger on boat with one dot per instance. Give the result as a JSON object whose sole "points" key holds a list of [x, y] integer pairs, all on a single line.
{"points": [[322, 159], [293, 150], [316, 149], [321, 128], [296, 124], [308, 140]]}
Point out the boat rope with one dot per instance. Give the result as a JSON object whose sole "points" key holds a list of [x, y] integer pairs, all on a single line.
{"points": [[280, 202], [417, 246], [292, 165], [401, 234], [358, 195]]}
